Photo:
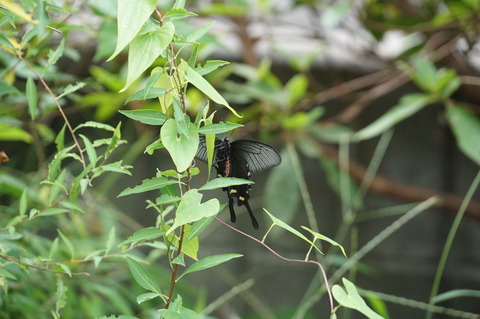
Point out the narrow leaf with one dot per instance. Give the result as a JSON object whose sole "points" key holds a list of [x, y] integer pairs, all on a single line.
{"points": [[209, 262], [142, 276], [147, 185], [150, 117], [200, 83], [143, 234], [31, 90], [409, 105], [68, 243], [219, 128], [225, 182]]}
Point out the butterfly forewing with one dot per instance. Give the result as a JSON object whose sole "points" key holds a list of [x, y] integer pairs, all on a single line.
{"points": [[258, 155]]}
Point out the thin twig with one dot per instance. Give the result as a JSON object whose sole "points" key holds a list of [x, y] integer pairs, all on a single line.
{"points": [[287, 259], [59, 108], [20, 262]]}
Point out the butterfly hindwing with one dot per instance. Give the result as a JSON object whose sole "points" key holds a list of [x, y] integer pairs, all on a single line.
{"points": [[258, 155]]}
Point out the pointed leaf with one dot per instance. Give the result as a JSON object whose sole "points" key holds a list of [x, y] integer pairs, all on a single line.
{"points": [[142, 276], [150, 117], [200, 83], [209, 262], [143, 234], [148, 185], [145, 49], [325, 238], [466, 128], [219, 128], [31, 91], [409, 105], [131, 17], [225, 182]]}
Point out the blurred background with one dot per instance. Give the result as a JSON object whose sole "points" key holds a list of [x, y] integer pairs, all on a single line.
{"points": [[373, 106]]}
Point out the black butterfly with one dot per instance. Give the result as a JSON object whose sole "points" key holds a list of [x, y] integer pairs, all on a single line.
{"points": [[239, 159]]}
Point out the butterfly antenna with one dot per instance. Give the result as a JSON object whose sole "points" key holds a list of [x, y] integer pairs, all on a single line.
{"points": [[233, 218], [252, 217]]}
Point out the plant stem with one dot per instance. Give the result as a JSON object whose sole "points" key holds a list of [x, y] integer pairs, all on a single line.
{"points": [[449, 241], [173, 281]]}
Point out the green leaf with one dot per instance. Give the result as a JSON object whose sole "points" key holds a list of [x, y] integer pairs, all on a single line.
{"points": [[198, 227], [143, 277], [22, 209], [457, 293], [144, 95], [54, 211], [60, 295], [199, 33], [182, 148], [72, 206], [145, 297], [190, 209], [178, 13], [68, 243], [150, 117], [53, 56], [110, 240], [154, 183], [200, 83], [351, 299], [287, 227], [282, 192], [71, 88], [466, 128], [14, 133], [325, 238], [409, 104], [31, 91], [219, 128], [114, 141], [225, 182], [93, 124], [143, 234], [208, 262], [145, 49], [91, 153], [131, 17]]}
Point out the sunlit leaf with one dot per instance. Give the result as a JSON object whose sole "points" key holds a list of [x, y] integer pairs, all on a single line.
{"points": [[131, 17]]}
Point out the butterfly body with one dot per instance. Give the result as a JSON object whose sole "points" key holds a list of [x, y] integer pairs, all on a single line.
{"points": [[239, 159]]}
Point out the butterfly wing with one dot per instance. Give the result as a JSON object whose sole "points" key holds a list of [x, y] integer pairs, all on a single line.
{"points": [[259, 156], [202, 154]]}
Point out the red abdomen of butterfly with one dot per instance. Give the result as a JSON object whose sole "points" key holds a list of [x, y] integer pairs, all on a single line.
{"points": [[228, 168]]}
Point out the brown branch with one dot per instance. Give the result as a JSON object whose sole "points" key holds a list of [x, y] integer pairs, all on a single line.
{"points": [[384, 186]]}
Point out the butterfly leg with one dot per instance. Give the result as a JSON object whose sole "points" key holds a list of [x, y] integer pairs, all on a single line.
{"points": [[233, 218], [252, 217]]}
